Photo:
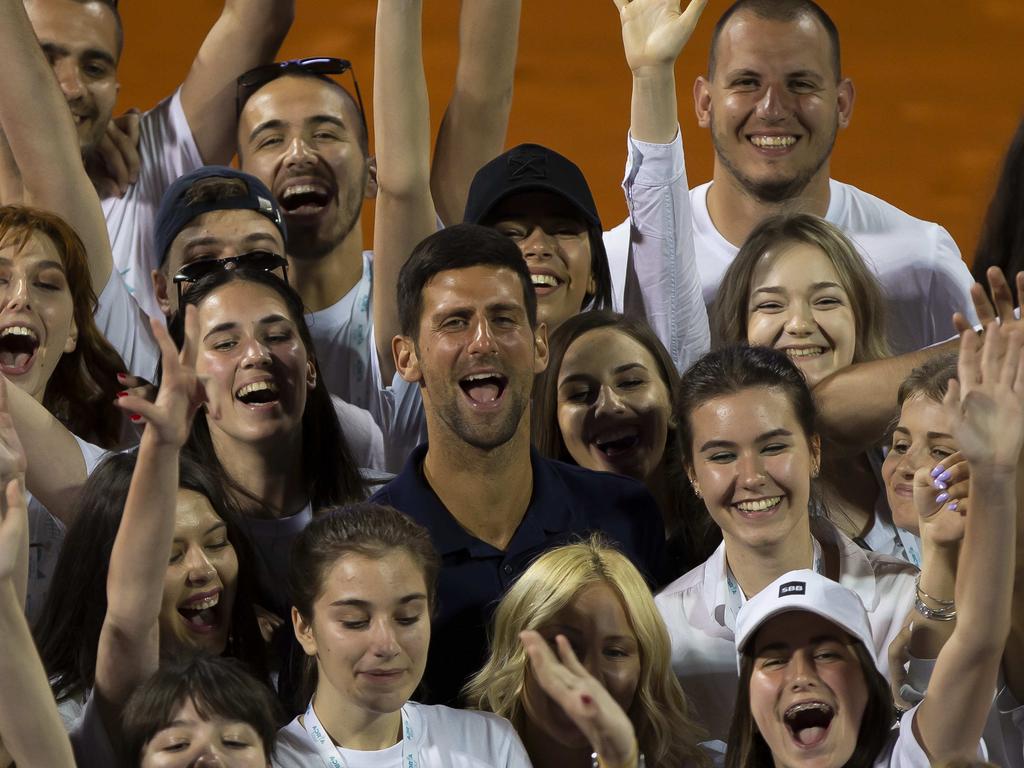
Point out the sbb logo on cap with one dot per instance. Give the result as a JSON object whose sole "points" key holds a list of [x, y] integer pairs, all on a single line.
{"points": [[793, 588]]}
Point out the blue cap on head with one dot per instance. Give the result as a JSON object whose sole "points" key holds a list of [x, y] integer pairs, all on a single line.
{"points": [[176, 211]]}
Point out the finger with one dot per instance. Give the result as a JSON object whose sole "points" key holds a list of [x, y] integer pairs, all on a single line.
{"points": [[1011, 359], [620, 4], [967, 361], [545, 666], [113, 161], [993, 349], [1002, 296], [146, 392], [961, 323], [951, 402], [190, 346], [131, 381], [168, 351], [691, 15], [982, 304], [133, 404], [126, 151], [568, 657]]}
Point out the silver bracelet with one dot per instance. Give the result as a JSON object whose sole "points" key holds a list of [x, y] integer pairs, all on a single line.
{"points": [[944, 614], [922, 594], [595, 760]]}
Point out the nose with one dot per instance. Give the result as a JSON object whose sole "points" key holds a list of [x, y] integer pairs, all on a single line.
{"points": [[255, 354], [538, 244], [774, 104], [799, 320], [17, 293], [750, 470], [482, 342], [608, 402], [210, 758], [69, 78], [200, 569], [801, 674], [382, 637], [299, 153]]}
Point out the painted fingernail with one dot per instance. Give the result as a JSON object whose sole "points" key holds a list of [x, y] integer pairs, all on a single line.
{"points": [[941, 498], [939, 484], [953, 506], [122, 394], [122, 378], [136, 418], [937, 471], [946, 475]]}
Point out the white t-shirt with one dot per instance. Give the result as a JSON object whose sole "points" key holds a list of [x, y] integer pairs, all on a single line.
{"points": [[701, 627], [45, 537], [123, 323], [166, 151], [442, 738], [917, 262], [362, 435]]}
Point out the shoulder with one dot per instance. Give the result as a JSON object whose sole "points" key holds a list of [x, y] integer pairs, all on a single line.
{"points": [[293, 748], [859, 213], [481, 738], [606, 486], [690, 582]]}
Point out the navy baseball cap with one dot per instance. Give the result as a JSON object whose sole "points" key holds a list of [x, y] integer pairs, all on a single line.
{"points": [[176, 211], [529, 168]]}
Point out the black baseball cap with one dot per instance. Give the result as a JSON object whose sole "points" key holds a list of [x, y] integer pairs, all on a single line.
{"points": [[529, 168], [176, 212]]}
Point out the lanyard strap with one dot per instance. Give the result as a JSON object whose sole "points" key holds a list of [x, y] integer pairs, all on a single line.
{"points": [[331, 755], [734, 598]]}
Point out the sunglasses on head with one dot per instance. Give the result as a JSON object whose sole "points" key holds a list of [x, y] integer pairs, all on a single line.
{"points": [[193, 272], [256, 78]]}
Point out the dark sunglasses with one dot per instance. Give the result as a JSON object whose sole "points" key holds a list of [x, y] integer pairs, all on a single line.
{"points": [[256, 78], [193, 272]]}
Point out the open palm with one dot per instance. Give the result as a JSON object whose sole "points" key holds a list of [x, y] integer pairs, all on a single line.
{"points": [[655, 31]]}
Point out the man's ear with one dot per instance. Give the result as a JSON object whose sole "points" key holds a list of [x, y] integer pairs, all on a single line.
{"points": [[845, 98], [407, 361], [702, 101], [371, 178], [540, 348], [303, 632], [160, 287]]}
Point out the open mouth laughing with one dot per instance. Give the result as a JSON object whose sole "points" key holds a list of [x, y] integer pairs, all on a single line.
{"points": [[202, 612], [616, 442], [545, 281], [754, 509], [305, 197], [484, 389], [258, 394], [18, 345], [808, 722]]}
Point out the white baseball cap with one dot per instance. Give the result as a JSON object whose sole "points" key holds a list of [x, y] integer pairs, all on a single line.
{"points": [[805, 591]]}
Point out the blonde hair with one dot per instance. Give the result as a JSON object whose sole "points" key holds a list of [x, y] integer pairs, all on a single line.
{"points": [[667, 734], [730, 312]]}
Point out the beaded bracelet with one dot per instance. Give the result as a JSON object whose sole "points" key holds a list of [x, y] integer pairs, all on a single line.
{"points": [[944, 614], [922, 594]]}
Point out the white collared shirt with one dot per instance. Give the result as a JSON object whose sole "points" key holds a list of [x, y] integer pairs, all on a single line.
{"points": [[701, 628]]}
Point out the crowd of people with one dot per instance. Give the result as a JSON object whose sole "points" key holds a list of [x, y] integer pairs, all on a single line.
{"points": [[734, 482]]}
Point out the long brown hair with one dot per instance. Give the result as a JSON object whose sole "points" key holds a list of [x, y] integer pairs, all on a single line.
{"points": [[83, 386]]}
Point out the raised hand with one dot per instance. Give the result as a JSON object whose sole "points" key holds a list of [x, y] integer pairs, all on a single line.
{"points": [[999, 307], [941, 498], [654, 32], [181, 392], [118, 151], [986, 405], [584, 700]]}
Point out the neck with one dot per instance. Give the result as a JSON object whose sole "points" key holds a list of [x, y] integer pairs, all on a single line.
{"points": [[486, 491], [756, 568], [850, 492], [322, 280], [546, 752], [352, 727], [735, 211], [271, 472]]}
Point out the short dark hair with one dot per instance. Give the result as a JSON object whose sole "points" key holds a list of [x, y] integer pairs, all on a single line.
{"points": [[930, 379], [778, 10], [458, 247], [216, 686], [733, 369]]}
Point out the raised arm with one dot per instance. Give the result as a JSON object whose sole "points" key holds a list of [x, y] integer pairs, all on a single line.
{"points": [[30, 728], [34, 116], [247, 34], [128, 649], [986, 409], [404, 212], [661, 259], [476, 121]]}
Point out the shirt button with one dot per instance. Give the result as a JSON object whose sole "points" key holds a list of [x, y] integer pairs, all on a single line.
{"points": [[506, 569]]}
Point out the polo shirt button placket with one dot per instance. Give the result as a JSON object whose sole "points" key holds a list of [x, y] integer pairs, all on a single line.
{"points": [[507, 570]]}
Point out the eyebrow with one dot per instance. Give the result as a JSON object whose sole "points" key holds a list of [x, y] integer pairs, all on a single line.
{"points": [[782, 289], [230, 324], [573, 377], [355, 602], [44, 264], [929, 435], [817, 640], [780, 432], [277, 122], [216, 526], [55, 49]]}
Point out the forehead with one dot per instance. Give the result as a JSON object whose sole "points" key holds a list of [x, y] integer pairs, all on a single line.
{"points": [[229, 228], [743, 416], [193, 514], [241, 302], [73, 25], [596, 608], [475, 287], [533, 205], [792, 265], [36, 247], [772, 47], [295, 99], [384, 579], [602, 350], [795, 629], [922, 414]]}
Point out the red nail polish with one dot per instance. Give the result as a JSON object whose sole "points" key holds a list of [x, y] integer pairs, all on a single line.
{"points": [[136, 418], [122, 394], [122, 378]]}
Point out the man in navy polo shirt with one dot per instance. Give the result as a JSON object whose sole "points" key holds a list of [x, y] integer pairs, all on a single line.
{"points": [[470, 338]]}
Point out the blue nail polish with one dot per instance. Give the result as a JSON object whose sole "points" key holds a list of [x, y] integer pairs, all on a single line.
{"points": [[946, 475], [941, 498], [953, 506], [939, 484], [937, 471]]}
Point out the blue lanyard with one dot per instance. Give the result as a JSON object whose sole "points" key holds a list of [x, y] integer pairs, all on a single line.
{"points": [[331, 755], [734, 597]]}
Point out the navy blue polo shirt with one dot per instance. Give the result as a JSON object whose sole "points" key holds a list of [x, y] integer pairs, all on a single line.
{"points": [[568, 503]]}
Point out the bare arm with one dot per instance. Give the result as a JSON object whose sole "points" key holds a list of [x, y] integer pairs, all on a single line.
{"points": [[401, 120], [128, 650], [986, 410], [35, 118], [473, 129], [1013, 657], [247, 34], [11, 191]]}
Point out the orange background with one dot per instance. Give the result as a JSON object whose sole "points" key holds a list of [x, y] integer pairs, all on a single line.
{"points": [[938, 89]]}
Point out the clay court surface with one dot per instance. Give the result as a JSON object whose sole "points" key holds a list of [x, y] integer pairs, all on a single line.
{"points": [[939, 90]]}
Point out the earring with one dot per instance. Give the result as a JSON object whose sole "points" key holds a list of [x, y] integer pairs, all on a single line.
{"points": [[696, 491]]}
